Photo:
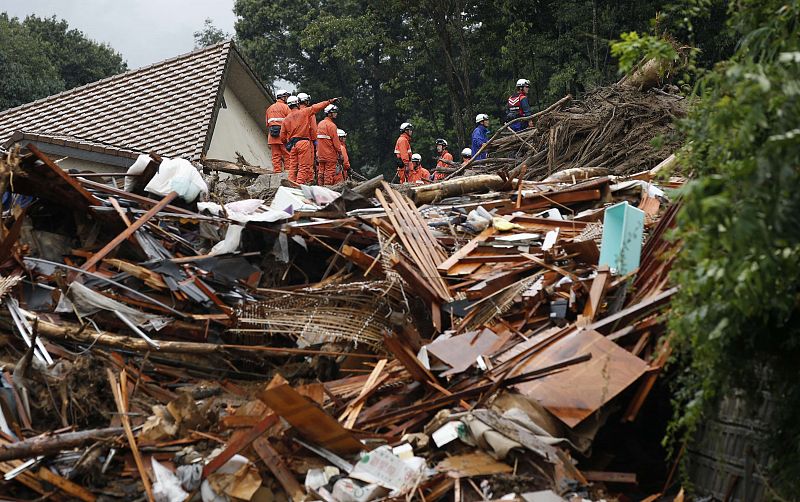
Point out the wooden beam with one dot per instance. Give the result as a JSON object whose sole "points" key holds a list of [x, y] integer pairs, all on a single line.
{"points": [[116, 241], [240, 443], [279, 469], [72, 489], [610, 477], [132, 196], [120, 396]]}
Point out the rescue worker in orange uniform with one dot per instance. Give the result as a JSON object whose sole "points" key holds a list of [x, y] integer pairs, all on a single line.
{"points": [[275, 115], [329, 149], [466, 155], [417, 173], [291, 166], [443, 154], [402, 151], [299, 130], [345, 158]]}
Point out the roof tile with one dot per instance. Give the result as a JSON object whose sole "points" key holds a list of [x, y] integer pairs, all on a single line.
{"points": [[166, 106]]}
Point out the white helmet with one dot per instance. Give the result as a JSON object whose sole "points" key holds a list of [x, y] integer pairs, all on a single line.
{"points": [[292, 101], [466, 152], [406, 125], [283, 93], [304, 98], [481, 117], [341, 133], [523, 82], [331, 109], [416, 158]]}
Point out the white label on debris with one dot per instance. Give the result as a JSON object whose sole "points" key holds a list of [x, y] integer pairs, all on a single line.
{"points": [[382, 467]]}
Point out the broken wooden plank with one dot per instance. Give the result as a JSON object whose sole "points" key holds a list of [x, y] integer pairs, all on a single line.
{"points": [[241, 442], [116, 241], [70, 488], [596, 293], [119, 400], [277, 466], [362, 260], [478, 463], [466, 249], [610, 477], [312, 422], [40, 176], [354, 408], [574, 395]]}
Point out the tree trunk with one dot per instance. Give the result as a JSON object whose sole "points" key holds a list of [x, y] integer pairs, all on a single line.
{"points": [[459, 186], [367, 188], [48, 445], [646, 76]]}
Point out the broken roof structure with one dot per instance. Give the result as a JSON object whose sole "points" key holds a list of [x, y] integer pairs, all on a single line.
{"points": [[207, 103]]}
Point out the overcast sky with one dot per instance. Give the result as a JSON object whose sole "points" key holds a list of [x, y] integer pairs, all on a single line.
{"points": [[143, 31]]}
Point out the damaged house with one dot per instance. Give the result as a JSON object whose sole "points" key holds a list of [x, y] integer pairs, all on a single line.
{"points": [[204, 104]]}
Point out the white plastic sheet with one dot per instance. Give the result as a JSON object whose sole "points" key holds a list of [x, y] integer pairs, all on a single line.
{"points": [[137, 167], [177, 175], [231, 241], [167, 487], [244, 211]]}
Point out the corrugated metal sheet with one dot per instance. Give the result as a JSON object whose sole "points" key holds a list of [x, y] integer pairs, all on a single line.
{"points": [[166, 107]]}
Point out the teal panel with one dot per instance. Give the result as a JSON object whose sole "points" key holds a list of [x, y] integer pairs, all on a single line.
{"points": [[621, 247]]}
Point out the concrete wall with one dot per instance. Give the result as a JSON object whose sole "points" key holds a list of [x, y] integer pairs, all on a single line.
{"points": [[236, 131]]}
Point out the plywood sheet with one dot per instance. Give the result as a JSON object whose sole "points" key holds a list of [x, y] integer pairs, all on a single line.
{"points": [[312, 422], [461, 351], [576, 393], [478, 463]]}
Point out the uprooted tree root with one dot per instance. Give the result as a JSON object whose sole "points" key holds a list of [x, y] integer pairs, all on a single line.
{"points": [[617, 128], [73, 392]]}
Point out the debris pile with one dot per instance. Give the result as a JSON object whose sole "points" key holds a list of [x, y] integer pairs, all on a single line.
{"points": [[614, 130], [327, 346]]}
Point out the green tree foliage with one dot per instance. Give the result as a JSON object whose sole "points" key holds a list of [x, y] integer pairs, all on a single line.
{"points": [[42, 56], [736, 316], [209, 35], [632, 49], [701, 24], [437, 63]]}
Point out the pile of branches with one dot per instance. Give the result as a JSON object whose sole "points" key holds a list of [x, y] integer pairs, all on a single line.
{"points": [[617, 128]]}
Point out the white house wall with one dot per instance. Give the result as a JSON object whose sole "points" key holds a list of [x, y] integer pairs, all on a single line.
{"points": [[236, 131]]}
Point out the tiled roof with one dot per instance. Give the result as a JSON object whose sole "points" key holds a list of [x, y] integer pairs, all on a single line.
{"points": [[167, 107]]}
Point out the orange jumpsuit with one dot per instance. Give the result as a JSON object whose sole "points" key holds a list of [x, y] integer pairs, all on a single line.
{"points": [[299, 131], [444, 156], [345, 163], [417, 173], [402, 149], [329, 150], [275, 115]]}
